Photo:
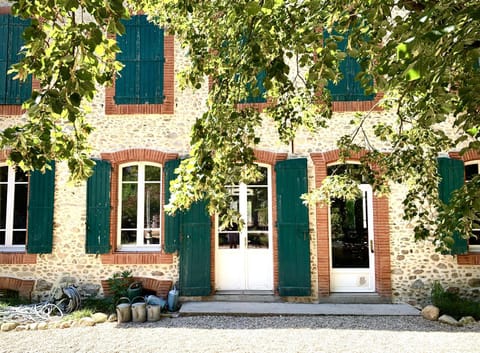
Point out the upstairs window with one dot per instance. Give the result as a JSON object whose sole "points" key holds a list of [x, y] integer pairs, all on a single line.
{"points": [[12, 92], [348, 88], [13, 209], [141, 81], [140, 205]]}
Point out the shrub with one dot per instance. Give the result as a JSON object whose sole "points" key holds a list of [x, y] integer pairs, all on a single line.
{"points": [[452, 304], [119, 284], [103, 305]]}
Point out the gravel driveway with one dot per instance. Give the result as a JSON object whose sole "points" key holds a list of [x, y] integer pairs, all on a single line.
{"points": [[280, 334]]}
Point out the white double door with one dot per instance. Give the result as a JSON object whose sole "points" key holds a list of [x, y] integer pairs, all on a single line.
{"points": [[352, 257], [244, 258]]}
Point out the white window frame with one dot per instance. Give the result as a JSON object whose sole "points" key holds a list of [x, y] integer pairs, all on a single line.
{"points": [[471, 247], [9, 247], [139, 246]]}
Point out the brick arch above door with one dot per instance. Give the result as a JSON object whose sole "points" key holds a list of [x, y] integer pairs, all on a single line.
{"points": [[383, 281]]}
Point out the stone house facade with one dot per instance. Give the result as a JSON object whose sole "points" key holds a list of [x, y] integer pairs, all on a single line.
{"points": [[115, 221]]}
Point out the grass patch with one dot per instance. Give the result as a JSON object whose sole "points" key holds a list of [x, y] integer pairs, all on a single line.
{"points": [[78, 314], [452, 304]]}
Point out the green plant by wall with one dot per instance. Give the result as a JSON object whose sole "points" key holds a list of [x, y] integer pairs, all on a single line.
{"points": [[119, 284], [452, 304]]}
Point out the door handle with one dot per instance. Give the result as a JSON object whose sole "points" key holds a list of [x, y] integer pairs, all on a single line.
{"points": [[371, 247]]}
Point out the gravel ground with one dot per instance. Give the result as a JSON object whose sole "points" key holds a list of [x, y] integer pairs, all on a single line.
{"points": [[282, 334]]}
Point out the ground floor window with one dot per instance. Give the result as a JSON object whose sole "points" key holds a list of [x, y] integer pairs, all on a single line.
{"points": [[140, 206], [13, 208], [472, 169]]}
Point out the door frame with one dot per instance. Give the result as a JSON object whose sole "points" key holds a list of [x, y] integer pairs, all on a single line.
{"points": [[345, 274], [243, 249]]}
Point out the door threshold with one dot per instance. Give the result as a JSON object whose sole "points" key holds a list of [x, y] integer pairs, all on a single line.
{"points": [[355, 298], [260, 296]]}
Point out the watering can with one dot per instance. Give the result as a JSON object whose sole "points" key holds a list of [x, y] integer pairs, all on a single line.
{"points": [[154, 307], [173, 299], [139, 310], [123, 310], [134, 290]]}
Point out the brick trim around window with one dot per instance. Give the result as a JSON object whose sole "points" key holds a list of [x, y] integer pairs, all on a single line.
{"points": [[383, 281], [116, 159], [167, 107]]}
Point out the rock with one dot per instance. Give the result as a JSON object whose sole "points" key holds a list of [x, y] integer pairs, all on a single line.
{"points": [[33, 326], [99, 318], [8, 326], [474, 282], [21, 328], [446, 319], [418, 284], [66, 324], [89, 289], [467, 320], [112, 318], [43, 286], [42, 326], [86, 321], [430, 312]]}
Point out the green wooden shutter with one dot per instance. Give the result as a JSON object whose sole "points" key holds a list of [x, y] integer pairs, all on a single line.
{"points": [[152, 62], [260, 98], [195, 251], [98, 209], [4, 20], [40, 211], [452, 173], [141, 80], [16, 92], [293, 228], [172, 225], [348, 88]]}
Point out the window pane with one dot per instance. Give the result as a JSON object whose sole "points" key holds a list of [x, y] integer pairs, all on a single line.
{"points": [[20, 176], [20, 208], [152, 206], [151, 237], [129, 206], [19, 237], [258, 240], [257, 208], [3, 205], [3, 174], [128, 237], [470, 171], [2, 237], [152, 173], [475, 240], [234, 206], [130, 173], [228, 240], [264, 178]]}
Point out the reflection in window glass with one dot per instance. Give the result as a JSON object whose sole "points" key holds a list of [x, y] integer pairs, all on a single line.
{"points": [[141, 206], [13, 208], [471, 170]]}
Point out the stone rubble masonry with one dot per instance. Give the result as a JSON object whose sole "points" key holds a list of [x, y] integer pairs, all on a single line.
{"points": [[408, 276]]}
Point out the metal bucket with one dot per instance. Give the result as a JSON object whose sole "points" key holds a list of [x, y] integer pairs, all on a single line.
{"points": [[123, 310], [139, 310], [153, 312]]}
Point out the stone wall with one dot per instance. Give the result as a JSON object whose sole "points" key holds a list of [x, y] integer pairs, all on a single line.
{"points": [[414, 266]]}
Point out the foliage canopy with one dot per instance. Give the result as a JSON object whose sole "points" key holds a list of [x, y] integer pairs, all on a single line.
{"points": [[423, 55]]}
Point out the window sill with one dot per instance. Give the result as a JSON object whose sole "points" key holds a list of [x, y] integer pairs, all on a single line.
{"points": [[17, 258], [131, 257], [472, 258]]}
